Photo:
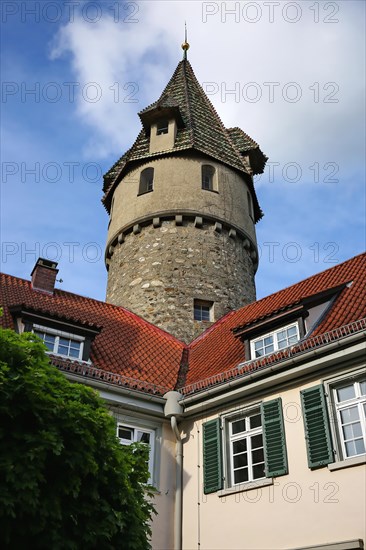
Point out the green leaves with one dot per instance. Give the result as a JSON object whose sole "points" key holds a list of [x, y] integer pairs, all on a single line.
{"points": [[65, 480]]}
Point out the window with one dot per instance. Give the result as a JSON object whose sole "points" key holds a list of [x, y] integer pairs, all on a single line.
{"points": [[202, 311], [208, 173], [350, 406], [246, 453], [346, 437], [60, 343], [255, 445], [146, 181], [274, 341], [128, 434], [162, 127]]}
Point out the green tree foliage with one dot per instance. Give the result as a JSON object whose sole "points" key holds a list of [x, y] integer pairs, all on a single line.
{"points": [[65, 481]]}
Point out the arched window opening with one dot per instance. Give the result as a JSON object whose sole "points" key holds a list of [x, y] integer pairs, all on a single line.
{"points": [[146, 181], [208, 173]]}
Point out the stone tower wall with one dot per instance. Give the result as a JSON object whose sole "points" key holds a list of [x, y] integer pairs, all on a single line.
{"points": [[179, 243], [177, 189]]}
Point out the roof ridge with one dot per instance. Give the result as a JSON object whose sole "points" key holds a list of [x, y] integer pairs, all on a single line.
{"points": [[337, 266]]}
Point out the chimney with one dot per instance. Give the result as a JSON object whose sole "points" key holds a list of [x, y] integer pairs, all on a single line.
{"points": [[44, 275]]}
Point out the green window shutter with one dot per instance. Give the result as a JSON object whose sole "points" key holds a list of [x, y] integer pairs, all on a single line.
{"points": [[275, 454], [212, 456], [316, 422]]}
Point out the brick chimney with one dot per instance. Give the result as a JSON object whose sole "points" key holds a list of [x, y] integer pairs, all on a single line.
{"points": [[44, 275]]}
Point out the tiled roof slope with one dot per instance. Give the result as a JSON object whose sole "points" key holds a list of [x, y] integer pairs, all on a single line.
{"points": [[217, 350], [203, 131], [126, 345], [129, 346]]}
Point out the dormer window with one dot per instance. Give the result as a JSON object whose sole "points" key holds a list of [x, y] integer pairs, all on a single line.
{"points": [[162, 127], [146, 181], [274, 341], [60, 343], [208, 173]]}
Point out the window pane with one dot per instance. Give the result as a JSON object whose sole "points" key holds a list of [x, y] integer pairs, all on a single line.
{"points": [[356, 447], [48, 339], [268, 341], [363, 387], [125, 433], [255, 421], [351, 431], [292, 331], [143, 437], [257, 441], [349, 415], [74, 352], [241, 460], [63, 350], [348, 392], [360, 446], [257, 456], [238, 426], [240, 446], [240, 476], [258, 471], [269, 349]]}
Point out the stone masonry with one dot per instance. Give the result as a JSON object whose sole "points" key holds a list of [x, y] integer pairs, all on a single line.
{"points": [[158, 271]]}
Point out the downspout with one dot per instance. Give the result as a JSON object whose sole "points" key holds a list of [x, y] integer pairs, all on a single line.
{"points": [[173, 410]]}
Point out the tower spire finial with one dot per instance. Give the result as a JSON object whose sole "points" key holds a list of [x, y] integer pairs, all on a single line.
{"points": [[185, 45]]}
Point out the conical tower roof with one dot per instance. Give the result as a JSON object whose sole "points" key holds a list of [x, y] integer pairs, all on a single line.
{"points": [[199, 129]]}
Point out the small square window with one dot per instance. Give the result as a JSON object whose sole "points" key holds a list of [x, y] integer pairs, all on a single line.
{"points": [[202, 310], [162, 127]]}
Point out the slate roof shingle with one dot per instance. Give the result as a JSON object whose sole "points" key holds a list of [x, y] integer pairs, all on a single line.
{"points": [[202, 131]]}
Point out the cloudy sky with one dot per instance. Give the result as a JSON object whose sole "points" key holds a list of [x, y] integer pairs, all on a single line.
{"points": [[75, 75]]}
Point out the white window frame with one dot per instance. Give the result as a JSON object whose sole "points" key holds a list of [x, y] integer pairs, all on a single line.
{"points": [[61, 334], [337, 406], [142, 429], [231, 438], [274, 335]]}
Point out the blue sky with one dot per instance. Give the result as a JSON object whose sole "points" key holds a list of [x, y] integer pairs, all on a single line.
{"points": [[75, 75]]}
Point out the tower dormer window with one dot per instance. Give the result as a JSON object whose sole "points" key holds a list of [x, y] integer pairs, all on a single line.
{"points": [[162, 127], [208, 173], [146, 181], [60, 343]]}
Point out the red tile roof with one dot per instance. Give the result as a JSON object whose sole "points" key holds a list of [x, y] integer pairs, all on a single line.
{"points": [[127, 345], [134, 350], [217, 350]]}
